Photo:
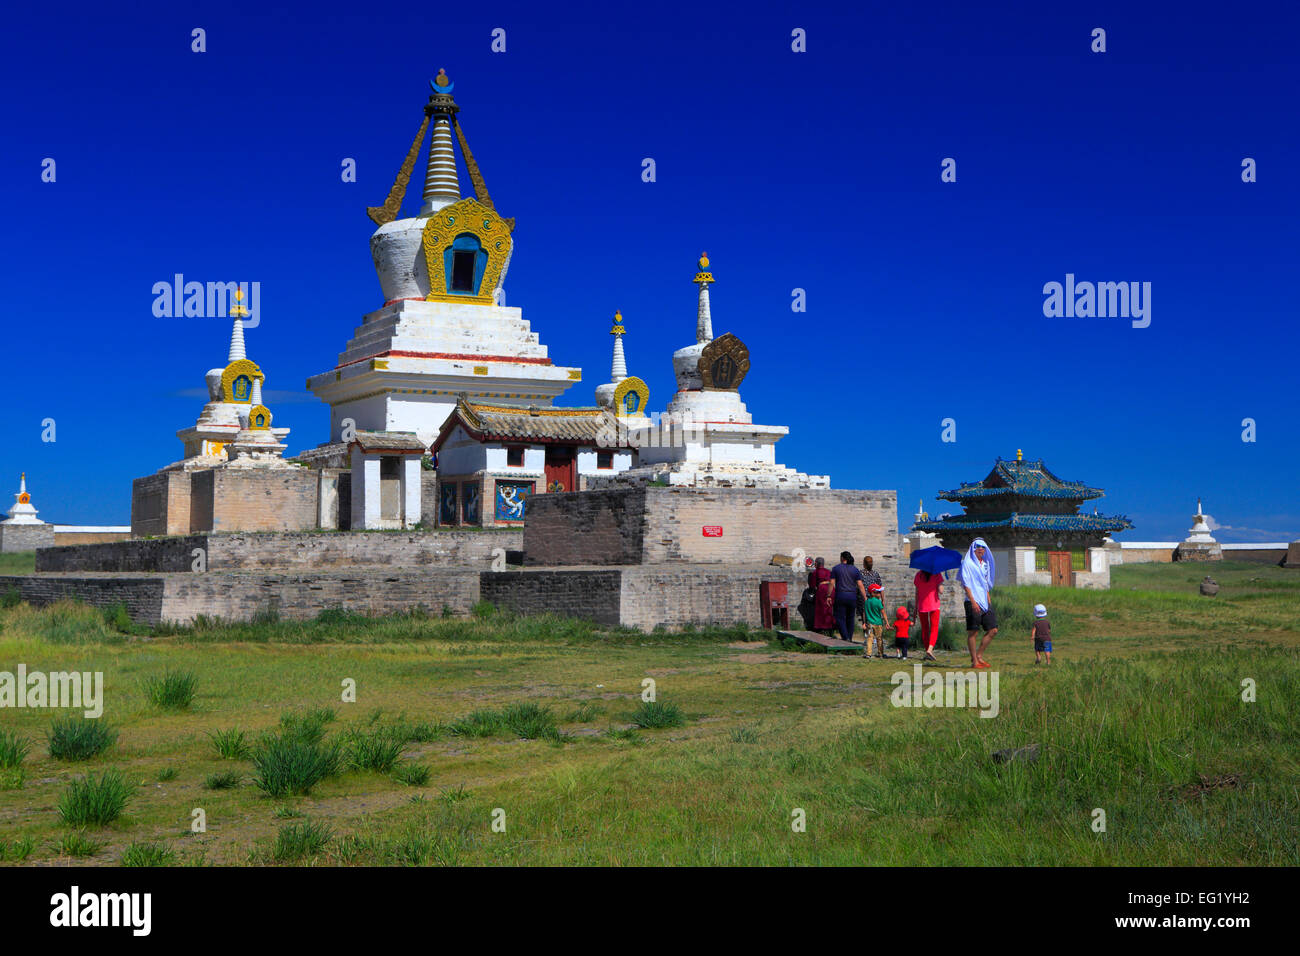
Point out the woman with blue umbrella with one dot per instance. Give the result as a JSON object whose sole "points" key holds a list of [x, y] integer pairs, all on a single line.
{"points": [[931, 563]]}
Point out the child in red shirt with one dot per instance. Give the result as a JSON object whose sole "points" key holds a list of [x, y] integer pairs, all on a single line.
{"points": [[902, 623]]}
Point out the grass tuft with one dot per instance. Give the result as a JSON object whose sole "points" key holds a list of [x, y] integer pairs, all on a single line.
{"points": [[288, 765], [231, 744], [378, 751], [13, 749], [95, 802], [173, 691], [148, 854], [76, 738], [656, 715], [226, 780], [412, 774], [308, 727], [17, 851], [298, 840], [79, 845]]}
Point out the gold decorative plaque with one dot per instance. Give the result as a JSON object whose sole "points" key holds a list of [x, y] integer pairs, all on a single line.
{"points": [[460, 218], [239, 368], [724, 363], [631, 397]]}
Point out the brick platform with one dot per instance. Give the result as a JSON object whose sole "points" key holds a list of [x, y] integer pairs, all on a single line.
{"points": [[653, 525], [287, 551], [25, 537], [235, 596]]}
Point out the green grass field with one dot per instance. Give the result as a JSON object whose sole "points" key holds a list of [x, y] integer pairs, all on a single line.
{"points": [[537, 724]]}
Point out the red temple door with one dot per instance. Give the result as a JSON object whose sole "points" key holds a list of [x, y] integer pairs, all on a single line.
{"points": [[1058, 563], [561, 469]]}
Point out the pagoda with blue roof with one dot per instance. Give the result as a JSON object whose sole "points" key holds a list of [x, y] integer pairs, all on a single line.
{"points": [[1021, 503]]}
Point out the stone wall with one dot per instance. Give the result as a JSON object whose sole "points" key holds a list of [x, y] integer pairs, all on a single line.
{"points": [[143, 596], [179, 598], [428, 497], [160, 504], [653, 525], [254, 499], [243, 596], [65, 536], [25, 537], [647, 596], [287, 551], [153, 555], [585, 527], [590, 593], [657, 594]]}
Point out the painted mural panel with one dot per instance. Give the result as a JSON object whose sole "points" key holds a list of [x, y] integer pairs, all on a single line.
{"points": [[511, 498]]}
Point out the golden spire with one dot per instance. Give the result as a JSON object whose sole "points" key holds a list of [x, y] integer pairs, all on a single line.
{"points": [[618, 324], [704, 275], [239, 312], [1019, 455]]}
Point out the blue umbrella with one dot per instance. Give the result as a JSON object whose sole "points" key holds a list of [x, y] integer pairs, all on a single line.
{"points": [[936, 560]]}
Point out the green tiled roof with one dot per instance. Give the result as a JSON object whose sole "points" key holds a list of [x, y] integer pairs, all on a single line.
{"points": [[1029, 522], [1029, 478]]}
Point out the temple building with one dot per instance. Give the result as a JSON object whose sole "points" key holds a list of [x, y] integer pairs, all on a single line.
{"points": [[442, 329], [503, 454], [706, 437], [1030, 519]]}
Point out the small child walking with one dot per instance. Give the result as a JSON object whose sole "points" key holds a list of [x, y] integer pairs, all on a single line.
{"points": [[902, 623], [874, 618], [1042, 635]]}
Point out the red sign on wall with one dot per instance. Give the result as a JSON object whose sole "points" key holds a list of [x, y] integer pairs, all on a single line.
{"points": [[713, 531]]}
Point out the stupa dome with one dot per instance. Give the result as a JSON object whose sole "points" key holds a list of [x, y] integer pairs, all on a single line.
{"points": [[398, 251], [213, 378]]}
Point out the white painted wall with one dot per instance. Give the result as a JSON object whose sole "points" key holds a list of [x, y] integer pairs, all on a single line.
{"points": [[461, 455], [587, 463], [365, 490], [411, 491]]}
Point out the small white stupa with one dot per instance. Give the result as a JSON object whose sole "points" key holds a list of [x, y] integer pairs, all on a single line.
{"points": [[706, 437], [1200, 544], [22, 511], [234, 424], [920, 539]]}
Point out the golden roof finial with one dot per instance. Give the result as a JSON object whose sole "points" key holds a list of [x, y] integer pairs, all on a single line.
{"points": [[618, 324], [1019, 455], [704, 275], [442, 79], [239, 312]]}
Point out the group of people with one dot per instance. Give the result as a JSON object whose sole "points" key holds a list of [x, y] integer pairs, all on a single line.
{"points": [[837, 598]]}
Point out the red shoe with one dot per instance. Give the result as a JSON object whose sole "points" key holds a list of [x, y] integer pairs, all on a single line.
{"points": [[982, 665]]}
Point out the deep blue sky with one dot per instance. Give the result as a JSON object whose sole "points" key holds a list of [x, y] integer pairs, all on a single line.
{"points": [[817, 170]]}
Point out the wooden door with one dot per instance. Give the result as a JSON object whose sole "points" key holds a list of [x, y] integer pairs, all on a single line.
{"points": [[1058, 563], [561, 469]]}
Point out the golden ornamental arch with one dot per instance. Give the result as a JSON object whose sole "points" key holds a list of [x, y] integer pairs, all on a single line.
{"points": [[637, 387], [493, 233], [259, 418], [240, 367]]}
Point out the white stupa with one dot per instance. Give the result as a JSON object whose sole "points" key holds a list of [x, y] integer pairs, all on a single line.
{"points": [[1200, 544], [706, 437], [442, 330], [22, 511], [234, 393]]}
